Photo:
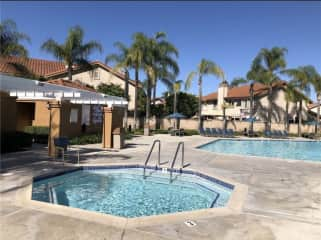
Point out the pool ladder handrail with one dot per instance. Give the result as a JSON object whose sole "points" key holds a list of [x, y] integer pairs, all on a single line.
{"points": [[150, 153], [172, 164]]}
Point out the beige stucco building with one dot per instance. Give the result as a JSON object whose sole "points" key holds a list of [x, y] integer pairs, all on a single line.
{"points": [[237, 103]]}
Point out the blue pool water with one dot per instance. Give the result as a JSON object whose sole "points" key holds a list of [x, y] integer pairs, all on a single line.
{"points": [[124, 192], [298, 150]]}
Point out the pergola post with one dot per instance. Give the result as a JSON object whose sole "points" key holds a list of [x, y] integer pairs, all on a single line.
{"points": [[113, 125], [54, 125]]}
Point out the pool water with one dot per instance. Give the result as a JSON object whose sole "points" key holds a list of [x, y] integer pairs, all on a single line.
{"points": [[125, 193], [297, 150]]}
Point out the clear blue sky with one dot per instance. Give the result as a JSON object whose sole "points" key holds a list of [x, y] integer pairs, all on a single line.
{"points": [[229, 33]]}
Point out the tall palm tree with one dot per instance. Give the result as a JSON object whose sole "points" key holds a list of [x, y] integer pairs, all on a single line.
{"points": [[301, 78], [136, 53], [73, 50], [157, 63], [315, 82], [290, 96], [166, 64], [10, 40], [265, 69], [123, 61], [205, 67]]}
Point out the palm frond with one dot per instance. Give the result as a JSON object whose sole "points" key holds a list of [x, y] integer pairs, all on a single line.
{"points": [[191, 76]]}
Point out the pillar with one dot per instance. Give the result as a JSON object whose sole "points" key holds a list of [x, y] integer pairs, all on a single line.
{"points": [[112, 120], [55, 125]]}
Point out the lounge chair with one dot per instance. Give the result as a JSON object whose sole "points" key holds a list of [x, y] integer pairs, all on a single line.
{"points": [[202, 132], [229, 132], [267, 133], [285, 134], [214, 133], [208, 132], [220, 132], [62, 145]]}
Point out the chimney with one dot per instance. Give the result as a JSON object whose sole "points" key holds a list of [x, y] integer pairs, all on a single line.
{"points": [[222, 93]]}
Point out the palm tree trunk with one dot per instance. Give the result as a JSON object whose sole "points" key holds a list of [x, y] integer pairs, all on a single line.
{"points": [[70, 71], [318, 113], [126, 97], [175, 102], [149, 93], [154, 92], [136, 98], [270, 108], [200, 103], [300, 118], [224, 118], [251, 107], [286, 117]]}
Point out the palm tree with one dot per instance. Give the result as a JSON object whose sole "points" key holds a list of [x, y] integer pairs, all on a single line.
{"points": [[301, 78], [136, 52], [73, 50], [265, 69], [10, 40], [205, 67], [315, 82], [123, 61], [165, 60], [290, 96], [157, 63]]}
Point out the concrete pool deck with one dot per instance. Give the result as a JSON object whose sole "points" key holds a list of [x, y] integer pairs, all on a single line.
{"points": [[283, 200]]}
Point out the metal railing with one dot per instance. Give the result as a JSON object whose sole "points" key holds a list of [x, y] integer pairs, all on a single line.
{"points": [[150, 153], [172, 164]]}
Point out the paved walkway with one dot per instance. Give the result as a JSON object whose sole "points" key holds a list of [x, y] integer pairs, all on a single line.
{"points": [[283, 202]]}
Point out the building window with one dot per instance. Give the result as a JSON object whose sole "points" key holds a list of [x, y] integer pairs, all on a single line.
{"points": [[74, 115], [96, 75]]}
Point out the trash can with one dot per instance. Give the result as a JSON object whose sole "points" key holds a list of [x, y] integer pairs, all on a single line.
{"points": [[118, 138]]}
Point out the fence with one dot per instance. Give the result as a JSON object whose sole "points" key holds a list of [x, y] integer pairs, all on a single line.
{"points": [[236, 125]]}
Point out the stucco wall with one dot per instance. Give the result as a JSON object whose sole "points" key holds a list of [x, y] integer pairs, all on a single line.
{"points": [[41, 114], [8, 113], [25, 115], [105, 77]]}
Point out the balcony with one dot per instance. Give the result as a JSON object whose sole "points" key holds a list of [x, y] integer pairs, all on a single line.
{"points": [[232, 111]]}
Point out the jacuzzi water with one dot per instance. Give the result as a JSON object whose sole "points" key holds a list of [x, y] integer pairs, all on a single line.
{"points": [[124, 192], [288, 149]]}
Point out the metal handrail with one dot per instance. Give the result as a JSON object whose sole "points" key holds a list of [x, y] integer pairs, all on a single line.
{"points": [[150, 153], [180, 144]]}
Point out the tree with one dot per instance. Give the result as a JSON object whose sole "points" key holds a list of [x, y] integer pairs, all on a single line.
{"points": [[205, 67], [136, 53], [265, 69], [73, 50], [302, 78], [188, 104], [111, 89], [157, 63], [123, 61], [10, 40]]}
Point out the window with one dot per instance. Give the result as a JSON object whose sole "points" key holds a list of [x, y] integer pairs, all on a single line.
{"points": [[96, 75], [74, 115], [85, 116]]}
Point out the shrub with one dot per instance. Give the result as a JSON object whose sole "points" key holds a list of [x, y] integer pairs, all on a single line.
{"points": [[86, 139], [15, 141], [39, 133]]}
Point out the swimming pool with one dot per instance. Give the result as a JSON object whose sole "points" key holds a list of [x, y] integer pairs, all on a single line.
{"points": [[125, 192], [287, 149]]}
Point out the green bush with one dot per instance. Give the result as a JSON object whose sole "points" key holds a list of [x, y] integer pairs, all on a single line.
{"points": [[15, 141], [86, 139], [39, 133]]}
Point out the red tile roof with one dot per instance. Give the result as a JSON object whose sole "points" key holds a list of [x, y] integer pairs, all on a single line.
{"points": [[313, 105], [72, 84], [18, 66], [242, 91]]}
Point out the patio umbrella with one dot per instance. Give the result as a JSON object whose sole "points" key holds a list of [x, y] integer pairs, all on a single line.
{"points": [[176, 116], [251, 119]]}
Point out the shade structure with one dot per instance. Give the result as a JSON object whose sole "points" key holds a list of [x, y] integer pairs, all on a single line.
{"points": [[251, 119], [313, 123], [176, 116]]}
